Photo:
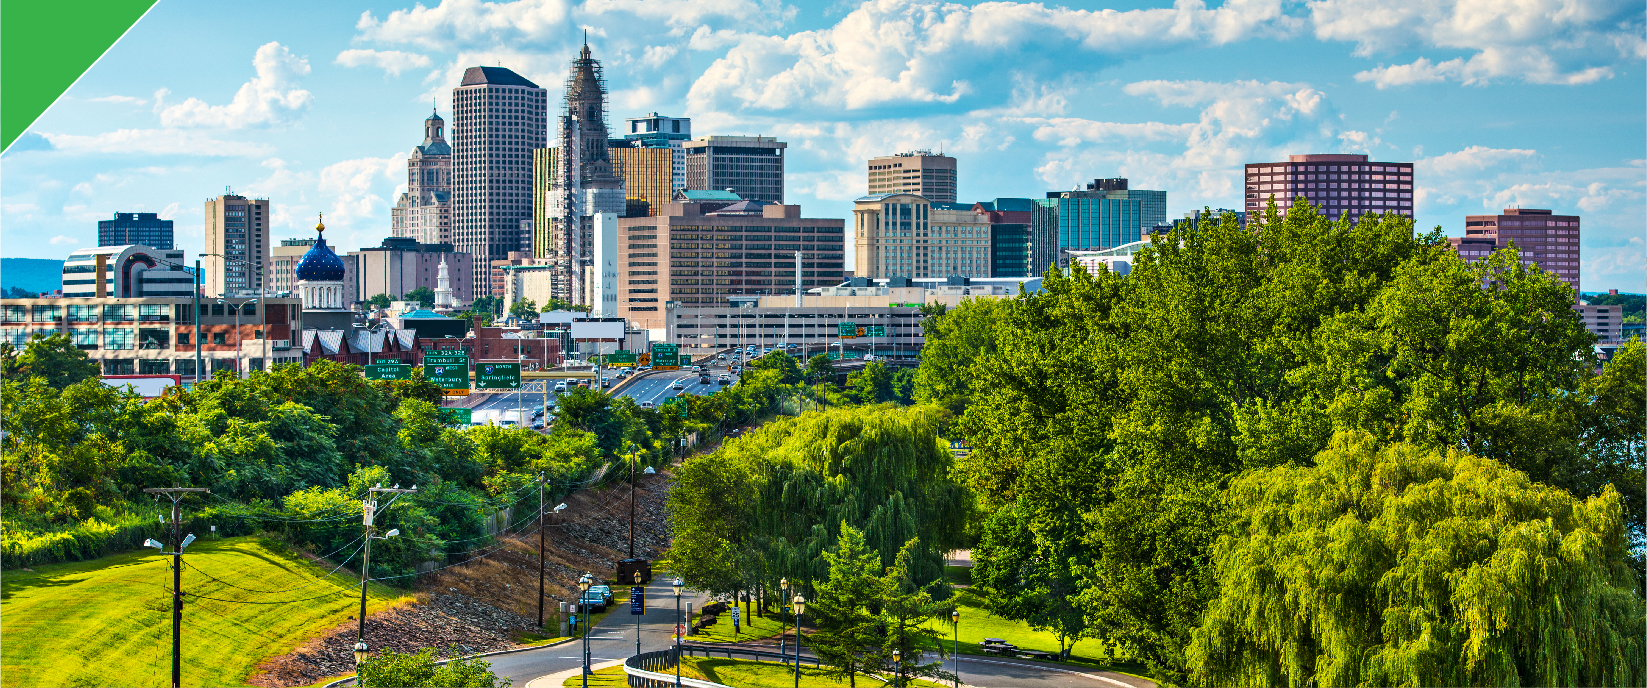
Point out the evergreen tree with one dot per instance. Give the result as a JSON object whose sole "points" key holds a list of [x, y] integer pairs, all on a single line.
{"points": [[906, 607], [848, 638]]}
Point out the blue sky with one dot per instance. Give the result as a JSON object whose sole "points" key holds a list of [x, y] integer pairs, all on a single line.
{"points": [[1536, 103]]}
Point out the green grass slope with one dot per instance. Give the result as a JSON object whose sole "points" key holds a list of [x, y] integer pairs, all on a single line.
{"points": [[107, 622]]}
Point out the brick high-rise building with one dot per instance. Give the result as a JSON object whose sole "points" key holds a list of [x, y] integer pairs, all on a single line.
{"points": [[498, 119], [1545, 239], [424, 212], [237, 245], [751, 166], [135, 228], [918, 172], [1339, 185]]}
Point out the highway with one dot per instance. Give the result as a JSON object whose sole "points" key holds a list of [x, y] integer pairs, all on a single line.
{"points": [[656, 387]]}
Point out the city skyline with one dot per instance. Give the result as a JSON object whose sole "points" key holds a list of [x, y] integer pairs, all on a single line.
{"points": [[318, 110]]}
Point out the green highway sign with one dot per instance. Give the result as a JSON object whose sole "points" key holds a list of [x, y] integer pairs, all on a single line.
{"points": [[847, 330], [621, 359], [666, 356], [457, 416], [836, 355], [450, 372], [387, 371], [877, 330], [497, 376]]}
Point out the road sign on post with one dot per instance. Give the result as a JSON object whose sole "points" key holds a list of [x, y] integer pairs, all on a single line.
{"points": [[450, 372], [847, 330], [387, 371], [497, 376], [457, 416], [666, 356], [621, 359], [877, 330], [637, 601]]}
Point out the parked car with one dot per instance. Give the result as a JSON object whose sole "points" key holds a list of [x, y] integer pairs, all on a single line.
{"points": [[605, 592], [594, 601]]}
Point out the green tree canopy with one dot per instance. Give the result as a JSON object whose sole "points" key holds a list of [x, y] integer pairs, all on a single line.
{"points": [[848, 638], [423, 295], [820, 369], [1405, 566], [788, 369], [381, 300], [525, 309], [54, 359]]}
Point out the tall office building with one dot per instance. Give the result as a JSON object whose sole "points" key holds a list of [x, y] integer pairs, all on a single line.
{"points": [[751, 166], [237, 245], [918, 172], [906, 235], [580, 180], [423, 212], [1339, 185], [1545, 239], [1015, 249], [658, 131], [498, 119], [647, 178], [1104, 215], [135, 228]]}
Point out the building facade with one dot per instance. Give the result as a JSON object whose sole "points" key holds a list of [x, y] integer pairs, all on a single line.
{"points": [[401, 265], [158, 335], [283, 262], [135, 228], [535, 283], [648, 178], [1338, 185], [1547, 240], [750, 166], [906, 235], [1016, 250], [691, 257], [126, 272], [918, 172], [1104, 215], [237, 252], [498, 119], [658, 131], [424, 212]]}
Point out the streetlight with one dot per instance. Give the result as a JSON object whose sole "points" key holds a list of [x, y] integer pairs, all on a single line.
{"points": [[897, 667], [783, 619], [800, 608], [678, 585], [237, 347], [955, 644], [368, 518], [583, 598]]}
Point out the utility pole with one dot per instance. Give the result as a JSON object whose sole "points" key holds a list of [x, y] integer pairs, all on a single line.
{"points": [[176, 494], [199, 334], [541, 550], [368, 516]]}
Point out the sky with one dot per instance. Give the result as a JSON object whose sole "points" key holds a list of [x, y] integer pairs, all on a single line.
{"points": [[316, 105]]}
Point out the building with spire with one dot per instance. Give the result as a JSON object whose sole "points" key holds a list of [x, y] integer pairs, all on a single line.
{"points": [[443, 288], [424, 211], [577, 180], [498, 119], [320, 276]]}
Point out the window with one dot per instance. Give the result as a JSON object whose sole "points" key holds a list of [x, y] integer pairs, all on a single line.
{"points": [[16, 336], [185, 366], [118, 339], [83, 313], [182, 339], [219, 338], [117, 312], [119, 366], [84, 338], [153, 338], [147, 366], [153, 312], [14, 314]]}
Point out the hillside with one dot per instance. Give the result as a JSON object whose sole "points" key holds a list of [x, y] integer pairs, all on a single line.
{"points": [[106, 622], [31, 274]]}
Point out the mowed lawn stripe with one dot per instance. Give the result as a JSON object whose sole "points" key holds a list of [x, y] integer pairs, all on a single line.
{"points": [[107, 622]]}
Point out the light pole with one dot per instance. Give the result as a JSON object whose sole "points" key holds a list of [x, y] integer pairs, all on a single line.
{"points": [[238, 368], [175, 493], [678, 631], [800, 608], [783, 619], [558, 509], [955, 644], [583, 597], [897, 667]]}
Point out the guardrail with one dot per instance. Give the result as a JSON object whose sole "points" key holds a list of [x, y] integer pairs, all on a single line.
{"points": [[761, 655], [657, 669]]}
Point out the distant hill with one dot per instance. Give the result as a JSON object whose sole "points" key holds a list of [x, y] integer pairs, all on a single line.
{"points": [[31, 274]]}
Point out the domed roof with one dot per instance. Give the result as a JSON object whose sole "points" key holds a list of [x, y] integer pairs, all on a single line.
{"points": [[320, 264]]}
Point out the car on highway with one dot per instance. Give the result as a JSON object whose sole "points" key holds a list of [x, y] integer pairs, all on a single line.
{"points": [[703, 379], [537, 425], [560, 386], [605, 382], [646, 404], [697, 369], [726, 379], [507, 423], [677, 385], [537, 413], [737, 369], [720, 357]]}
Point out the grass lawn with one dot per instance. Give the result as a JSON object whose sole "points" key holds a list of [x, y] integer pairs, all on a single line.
{"points": [[750, 629], [977, 624], [107, 622], [740, 673]]}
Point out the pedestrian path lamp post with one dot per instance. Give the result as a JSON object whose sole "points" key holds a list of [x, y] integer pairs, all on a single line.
{"points": [[783, 620], [800, 608], [583, 603], [955, 643], [897, 667], [678, 630]]}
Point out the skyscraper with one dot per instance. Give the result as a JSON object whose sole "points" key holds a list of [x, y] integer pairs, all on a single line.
{"points": [[751, 166], [1104, 215], [1339, 184], [581, 179], [905, 235], [237, 245], [657, 131], [1545, 239], [135, 228], [647, 182], [424, 211], [917, 172], [498, 119]]}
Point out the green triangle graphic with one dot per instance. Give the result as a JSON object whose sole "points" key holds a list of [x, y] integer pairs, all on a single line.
{"points": [[45, 45]]}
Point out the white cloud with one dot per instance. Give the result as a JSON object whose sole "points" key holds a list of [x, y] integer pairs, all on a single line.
{"points": [[170, 211], [154, 142], [1530, 65], [353, 186], [271, 97], [60, 240], [129, 100], [456, 24], [1473, 159], [20, 207], [760, 14], [1069, 131], [392, 61], [890, 53]]}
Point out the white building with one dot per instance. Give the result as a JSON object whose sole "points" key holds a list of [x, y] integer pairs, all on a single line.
{"points": [[126, 272]]}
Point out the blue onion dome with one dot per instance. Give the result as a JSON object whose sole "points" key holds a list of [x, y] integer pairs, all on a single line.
{"points": [[320, 264]]}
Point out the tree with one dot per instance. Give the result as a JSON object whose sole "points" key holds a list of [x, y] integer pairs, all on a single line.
{"points": [[423, 295], [525, 309], [1613, 438], [788, 369], [392, 669], [53, 358], [19, 293], [872, 385], [1398, 565], [1030, 579], [591, 410], [906, 607], [381, 300], [556, 304], [487, 304], [954, 340], [820, 369], [848, 638]]}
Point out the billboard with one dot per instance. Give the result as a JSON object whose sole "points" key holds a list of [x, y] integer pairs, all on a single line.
{"points": [[584, 329], [149, 386]]}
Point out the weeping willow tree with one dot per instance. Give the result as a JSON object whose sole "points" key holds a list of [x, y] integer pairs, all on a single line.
{"points": [[766, 506], [1397, 566]]}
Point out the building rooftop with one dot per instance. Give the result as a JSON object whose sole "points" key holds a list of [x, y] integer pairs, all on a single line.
{"points": [[500, 76], [690, 195]]}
